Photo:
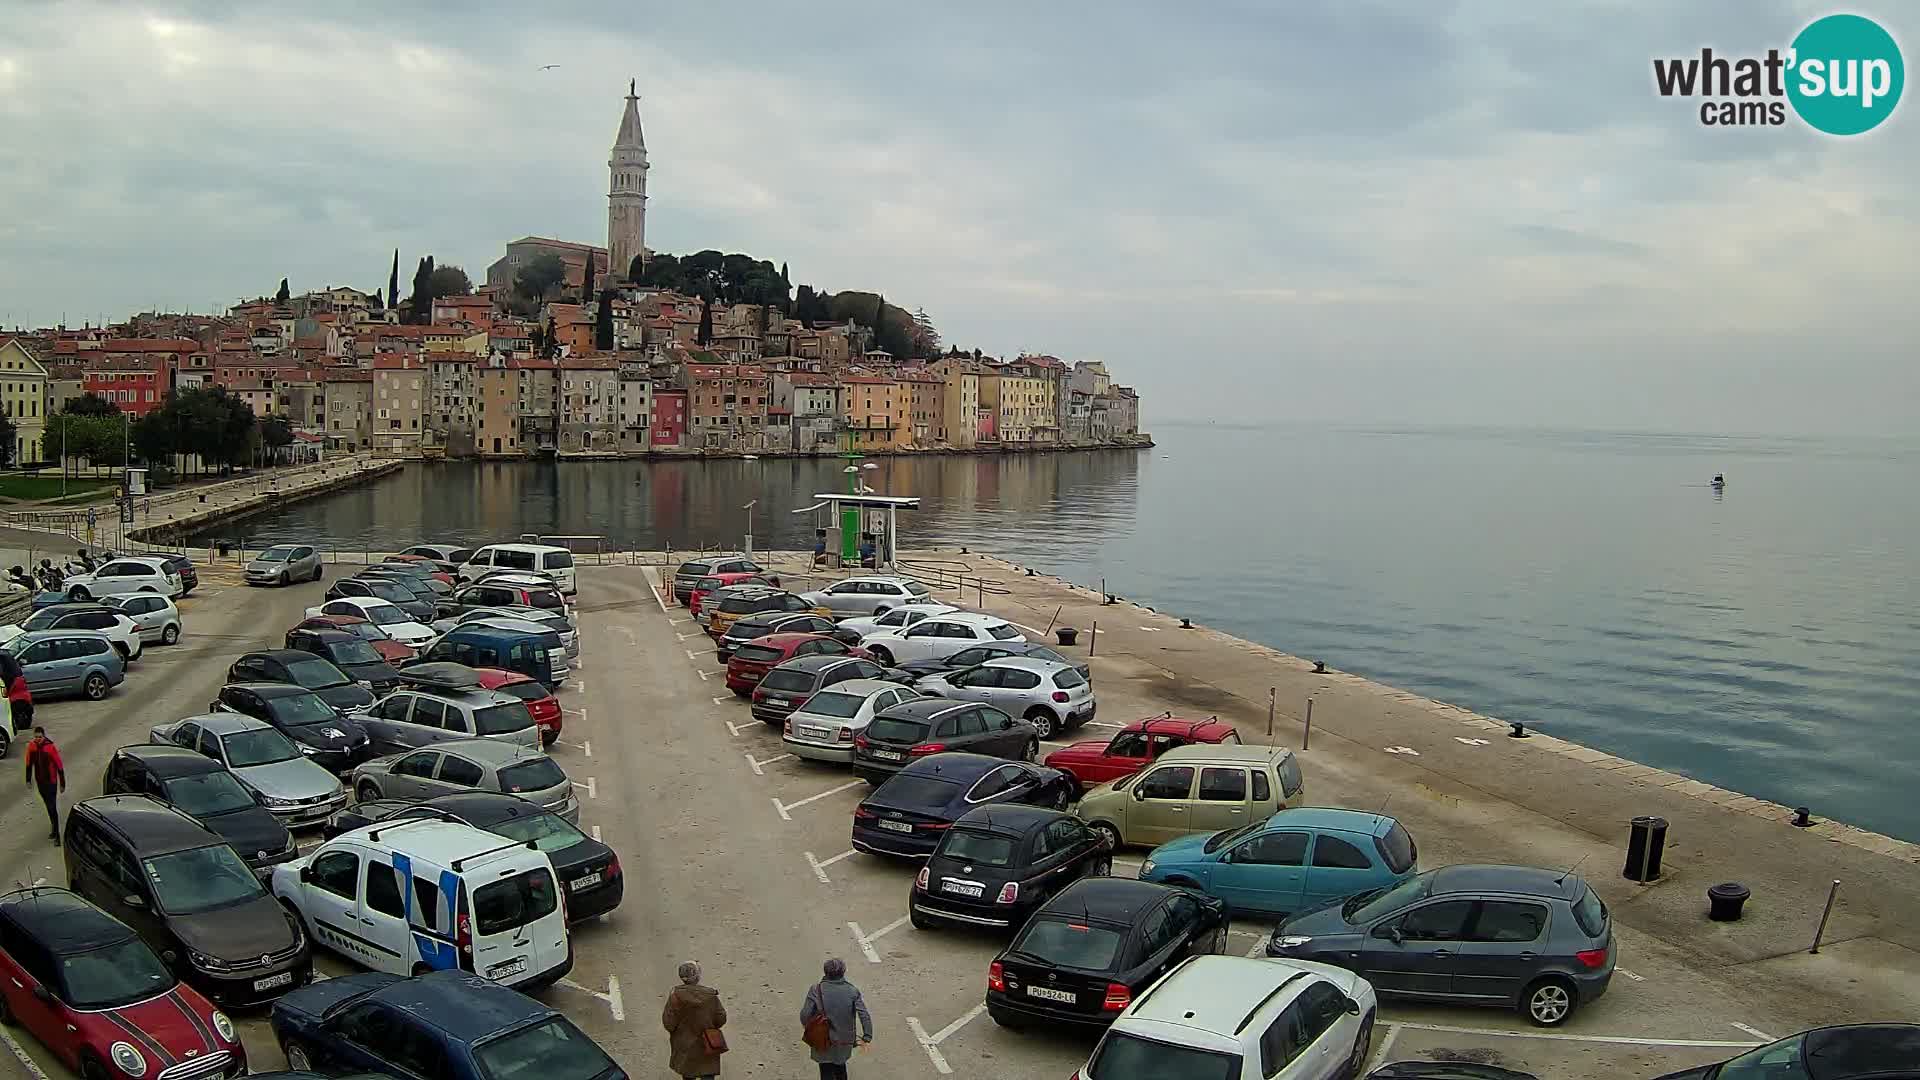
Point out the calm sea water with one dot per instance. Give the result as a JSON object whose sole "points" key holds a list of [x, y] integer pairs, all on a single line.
{"points": [[1764, 638]]}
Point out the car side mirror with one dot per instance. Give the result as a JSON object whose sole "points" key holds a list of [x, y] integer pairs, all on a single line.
{"points": [[306, 875], [1391, 933], [135, 901], [1353, 1007], [41, 994], [1006, 724], [1140, 794]]}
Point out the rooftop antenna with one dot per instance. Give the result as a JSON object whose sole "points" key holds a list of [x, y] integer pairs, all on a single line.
{"points": [[1571, 869], [1383, 805]]}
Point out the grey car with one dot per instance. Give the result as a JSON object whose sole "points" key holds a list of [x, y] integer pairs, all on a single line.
{"points": [[869, 595], [693, 570], [412, 717], [1512, 936], [284, 564], [80, 662], [1054, 696], [292, 788], [469, 765], [380, 588]]}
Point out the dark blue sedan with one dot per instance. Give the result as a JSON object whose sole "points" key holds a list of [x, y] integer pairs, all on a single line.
{"points": [[909, 813], [450, 1025]]}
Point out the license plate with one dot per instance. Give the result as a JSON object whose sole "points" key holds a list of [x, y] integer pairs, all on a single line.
{"points": [[814, 732], [896, 826], [508, 969], [285, 978], [584, 881], [888, 755], [1049, 994], [779, 701], [961, 889]]}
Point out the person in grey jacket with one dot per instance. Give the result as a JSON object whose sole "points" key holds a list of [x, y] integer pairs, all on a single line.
{"points": [[842, 1003]]}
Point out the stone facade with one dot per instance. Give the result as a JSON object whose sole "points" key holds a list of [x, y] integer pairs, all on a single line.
{"points": [[627, 191]]}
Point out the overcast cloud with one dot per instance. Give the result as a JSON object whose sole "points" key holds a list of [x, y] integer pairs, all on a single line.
{"points": [[1423, 212]]}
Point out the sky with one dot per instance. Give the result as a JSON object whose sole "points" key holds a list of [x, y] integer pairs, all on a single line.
{"points": [[1251, 210]]}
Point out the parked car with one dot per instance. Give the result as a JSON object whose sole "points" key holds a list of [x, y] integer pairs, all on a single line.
{"points": [[447, 556], [693, 570], [915, 729], [379, 588], [413, 557], [712, 583], [153, 615], [1507, 936], [541, 704], [325, 735], [464, 765], [349, 652], [909, 813], [1239, 1019], [392, 620], [1090, 949], [83, 662], [300, 668], [416, 570], [85, 985], [284, 564], [1842, 1052], [910, 611], [999, 863], [125, 575], [495, 593], [99, 618], [782, 690], [588, 869], [294, 789], [442, 703], [1135, 746], [753, 627], [515, 644], [752, 660], [739, 600], [867, 595], [183, 569], [551, 619], [390, 650], [826, 724], [1052, 697], [1296, 860], [421, 584], [1195, 789], [555, 562], [449, 1025], [975, 655], [189, 895], [942, 635], [202, 789]]}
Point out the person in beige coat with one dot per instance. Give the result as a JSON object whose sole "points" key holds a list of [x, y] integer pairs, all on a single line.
{"points": [[691, 1011]]}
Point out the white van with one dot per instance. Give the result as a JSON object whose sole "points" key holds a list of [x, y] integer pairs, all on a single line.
{"points": [[423, 893], [555, 562]]}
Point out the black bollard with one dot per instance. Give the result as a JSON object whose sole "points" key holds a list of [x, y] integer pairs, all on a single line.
{"points": [[1066, 635], [1519, 731], [1186, 624], [1725, 900], [1802, 818], [1645, 844]]}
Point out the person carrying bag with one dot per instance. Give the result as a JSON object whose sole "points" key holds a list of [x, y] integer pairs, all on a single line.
{"points": [[693, 1017], [827, 1021]]}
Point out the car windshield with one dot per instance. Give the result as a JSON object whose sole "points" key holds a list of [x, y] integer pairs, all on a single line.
{"points": [[515, 902], [388, 590], [501, 719], [895, 730], [258, 746], [207, 794], [275, 554], [1003, 632], [1074, 945], [552, 1049], [527, 690], [914, 588], [787, 679], [922, 792], [984, 848], [301, 710], [1369, 906], [314, 674], [545, 598], [113, 975], [42, 619], [757, 654], [189, 882], [1778, 1061], [354, 652], [1068, 679], [1227, 836], [385, 614], [547, 832], [536, 775], [828, 703], [1125, 1056]]}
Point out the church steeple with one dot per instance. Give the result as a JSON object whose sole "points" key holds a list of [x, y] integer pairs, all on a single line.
{"points": [[630, 135], [627, 191]]}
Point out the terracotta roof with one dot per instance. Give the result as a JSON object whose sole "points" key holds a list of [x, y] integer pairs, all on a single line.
{"points": [[148, 345], [589, 363], [338, 375], [389, 362]]}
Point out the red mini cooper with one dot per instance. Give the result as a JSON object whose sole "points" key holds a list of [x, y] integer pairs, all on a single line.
{"points": [[1135, 746], [99, 999]]}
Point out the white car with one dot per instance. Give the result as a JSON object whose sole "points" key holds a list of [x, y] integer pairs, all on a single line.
{"points": [[1055, 696], [938, 638], [903, 616], [155, 615], [98, 618], [392, 621], [824, 726], [867, 595], [127, 574], [1238, 1018]]}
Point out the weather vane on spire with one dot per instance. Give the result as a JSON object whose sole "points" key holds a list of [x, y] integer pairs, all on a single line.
{"points": [[630, 85]]}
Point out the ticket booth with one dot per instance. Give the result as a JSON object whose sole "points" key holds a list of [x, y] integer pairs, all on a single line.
{"points": [[852, 522]]}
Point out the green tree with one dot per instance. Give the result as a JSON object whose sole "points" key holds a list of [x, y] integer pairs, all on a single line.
{"points": [[586, 286], [8, 433], [393, 281], [550, 346], [90, 404], [539, 277], [447, 280], [276, 434], [281, 296], [603, 322], [706, 321]]}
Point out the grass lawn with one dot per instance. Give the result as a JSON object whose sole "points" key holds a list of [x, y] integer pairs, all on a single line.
{"points": [[46, 485]]}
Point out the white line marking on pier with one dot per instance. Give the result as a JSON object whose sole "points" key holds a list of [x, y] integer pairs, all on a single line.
{"points": [[784, 808], [1101, 723], [1471, 742], [705, 675], [1558, 1037], [678, 622], [755, 763], [1407, 750], [580, 684], [591, 792], [595, 830], [584, 747], [820, 867], [1629, 974], [1754, 1031], [691, 655], [1386, 1044], [720, 700], [866, 940], [735, 729], [580, 712], [33, 1067]]}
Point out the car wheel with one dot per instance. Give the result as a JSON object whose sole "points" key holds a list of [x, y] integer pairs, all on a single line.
{"points": [[91, 1069], [95, 687], [1362, 1047], [1043, 719], [882, 657], [1102, 867], [79, 593], [318, 573], [6, 1014], [1032, 751], [366, 792], [1108, 835], [284, 579], [171, 635], [6, 743], [298, 1057], [1548, 1002], [879, 611], [1061, 799]]}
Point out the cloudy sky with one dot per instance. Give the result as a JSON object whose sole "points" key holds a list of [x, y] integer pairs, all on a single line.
{"points": [[1251, 209]]}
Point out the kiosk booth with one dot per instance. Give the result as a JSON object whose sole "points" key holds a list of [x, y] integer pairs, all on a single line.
{"points": [[852, 521]]}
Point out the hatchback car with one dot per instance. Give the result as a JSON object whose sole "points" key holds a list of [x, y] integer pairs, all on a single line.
{"points": [[740, 600], [392, 620], [80, 662], [690, 572], [498, 593], [284, 564], [1052, 697], [1510, 936], [390, 650], [328, 737], [1843, 1052], [447, 557], [908, 613], [1135, 747], [297, 667], [825, 726], [420, 714], [1194, 789], [420, 582], [122, 576], [349, 652], [940, 636], [909, 813], [752, 660], [782, 690], [85, 985], [469, 765], [712, 583], [975, 655], [393, 592], [922, 727], [189, 895], [154, 616], [754, 627], [1095, 945], [202, 789], [551, 619], [868, 594], [118, 627], [182, 568], [1296, 860], [294, 789], [998, 863], [541, 704]]}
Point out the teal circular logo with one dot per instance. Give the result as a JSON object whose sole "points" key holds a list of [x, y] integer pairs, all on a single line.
{"points": [[1845, 74]]}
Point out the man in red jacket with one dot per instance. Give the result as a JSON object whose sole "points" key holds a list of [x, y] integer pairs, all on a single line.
{"points": [[49, 774]]}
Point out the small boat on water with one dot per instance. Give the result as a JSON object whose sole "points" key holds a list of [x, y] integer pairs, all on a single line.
{"points": [[1718, 482]]}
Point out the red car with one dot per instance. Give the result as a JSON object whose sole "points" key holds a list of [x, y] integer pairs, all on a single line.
{"points": [[393, 652], [421, 560], [751, 662], [97, 997], [720, 581], [1135, 746], [540, 701]]}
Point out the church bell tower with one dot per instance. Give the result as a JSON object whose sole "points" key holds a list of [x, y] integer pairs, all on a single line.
{"points": [[627, 192]]}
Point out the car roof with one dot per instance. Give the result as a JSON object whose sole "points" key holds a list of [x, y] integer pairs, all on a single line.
{"points": [[791, 640], [492, 678], [63, 921], [281, 547], [285, 656], [1491, 877], [336, 620], [1209, 730], [496, 752], [813, 665], [891, 579], [492, 805], [475, 697], [70, 606], [1011, 819], [151, 826], [925, 708], [1108, 898], [226, 723], [773, 618], [1029, 663], [1334, 819], [861, 687], [461, 1005], [442, 842], [328, 633], [1861, 1050], [31, 636], [969, 618], [1224, 754], [1223, 995], [170, 761], [276, 689], [525, 547], [961, 768]]}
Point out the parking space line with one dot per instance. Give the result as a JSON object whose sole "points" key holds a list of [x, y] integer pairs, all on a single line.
{"points": [[1386, 1045], [1621, 1040], [784, 808], [735, 728], [1753, 1031], [584, 747], [866, 940], [931, 1043], [1629, 974], [589, 786], [720, 700], [691, 655], [580, 712], [755, 763], [678, 622], [820, 868], [595, 830], [614, 1002], [684, 637], [33, 1067], [705, 675], [1102, 723]]}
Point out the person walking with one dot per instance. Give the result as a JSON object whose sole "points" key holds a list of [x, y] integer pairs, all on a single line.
{"points": [[49, 774], [693, 1017], [19, 698], [839, 1001]]}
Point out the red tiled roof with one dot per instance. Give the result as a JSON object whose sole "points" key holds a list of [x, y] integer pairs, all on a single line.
{"points": [[339, 375], [599, 362], [388, 362], [128, 345]]}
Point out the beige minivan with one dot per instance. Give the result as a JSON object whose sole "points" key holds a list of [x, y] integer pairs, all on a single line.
{"points": [[1190, 789]]}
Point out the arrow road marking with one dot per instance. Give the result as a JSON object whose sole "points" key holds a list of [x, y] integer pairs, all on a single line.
{"points": [[1471, 742]]}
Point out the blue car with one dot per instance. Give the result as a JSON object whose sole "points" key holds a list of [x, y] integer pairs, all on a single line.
{"points": [[1296, 860], [447, 1024]]}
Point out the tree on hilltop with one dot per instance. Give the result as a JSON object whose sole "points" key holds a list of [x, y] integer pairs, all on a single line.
{"points": [[539, 277], [448, 280], [586, 286], [603, 322], [393, 281], [281, 296]]}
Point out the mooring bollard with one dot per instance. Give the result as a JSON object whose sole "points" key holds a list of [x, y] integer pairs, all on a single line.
{"points": [[1306, 739], [1725, 900], [1645, 843], [1802, 818], [1519, 731], [1093, 636], [1821, 930]]}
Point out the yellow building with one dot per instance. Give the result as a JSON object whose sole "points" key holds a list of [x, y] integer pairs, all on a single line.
{"points": [[1018, 404], [877, 412], [23, 395]]}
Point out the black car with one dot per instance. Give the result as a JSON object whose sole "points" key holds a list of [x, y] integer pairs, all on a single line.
{"points": [[913, 729], [748, 627], [781, 690], [203, 789], [998, 863], [183, 568], [1843, 1052], [416, 579], [333, 741], [393, 592], [351, 654], [589, 868], [1098, 942], [189, 895], [975, 655], [303, 669], [910, 813]]}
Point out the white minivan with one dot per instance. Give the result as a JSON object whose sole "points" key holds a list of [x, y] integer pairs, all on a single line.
{"points": [[423, 893], [555, 562]]}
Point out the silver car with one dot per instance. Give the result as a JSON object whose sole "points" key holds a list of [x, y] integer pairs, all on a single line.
{"points": [[284, 564], [824, 726], [868, 595], [292, 788], [414, 717], [469, 765], [153, 615], [908, 613], [1053, 695]]}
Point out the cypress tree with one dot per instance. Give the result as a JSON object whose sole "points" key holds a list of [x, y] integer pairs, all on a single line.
{"points": [[281, 296], [586, 289], [603, 322], [393, 281], [706, 321]]}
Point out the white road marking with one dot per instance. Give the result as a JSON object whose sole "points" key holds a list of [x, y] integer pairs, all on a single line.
{"points": [[755, 763], [595, 830], [684, 637], [691, 655], [591, 793], [866, 940], [678, 622], [705, 675], [1558, 1037], [820, 868], [611, 997], [720, 700], [1151, 629], [931, 1043], [33, 1067], [39, 881], [1029, 629], [1471, 742], [1101, 723], [1629, 974], [1407, 750], [1259, 947], [783, 808], [735, 728], [1386, 1044], [1753, 1031], [653, 586], [581, 711], [583, 747]]}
